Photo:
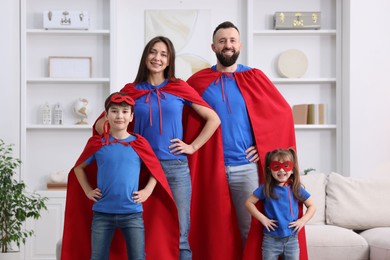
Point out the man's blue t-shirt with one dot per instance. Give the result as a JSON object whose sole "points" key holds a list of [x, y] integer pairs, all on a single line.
{"points": [[279, 209], [117, 177], [226, 99], [147, 114]]}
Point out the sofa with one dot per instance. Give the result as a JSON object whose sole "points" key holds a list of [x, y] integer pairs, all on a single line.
{"points": [[352, 220]]}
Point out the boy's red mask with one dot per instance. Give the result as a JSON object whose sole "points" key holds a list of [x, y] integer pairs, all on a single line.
{"points": [[118, 98], [277, 166]]}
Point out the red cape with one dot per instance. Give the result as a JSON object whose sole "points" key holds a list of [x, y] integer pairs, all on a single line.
{"points": [[273, 127], [160, 213], [212, 233]]}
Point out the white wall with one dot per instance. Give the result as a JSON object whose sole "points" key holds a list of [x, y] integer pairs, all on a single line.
{"points": [[9, 73], [369, 89], [130, 29]]}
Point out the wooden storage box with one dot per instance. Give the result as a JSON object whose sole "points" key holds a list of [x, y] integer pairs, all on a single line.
{"points": [[68, 20], [297, 20]]}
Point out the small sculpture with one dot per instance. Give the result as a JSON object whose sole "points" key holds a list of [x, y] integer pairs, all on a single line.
{"points": [[82, 110]]}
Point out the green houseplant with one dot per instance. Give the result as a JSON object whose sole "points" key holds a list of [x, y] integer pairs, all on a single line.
{"points": [[16, 204]]}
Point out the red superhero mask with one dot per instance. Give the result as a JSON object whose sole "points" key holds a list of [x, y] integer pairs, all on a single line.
{"points": [[118, 98], [277, 166]]}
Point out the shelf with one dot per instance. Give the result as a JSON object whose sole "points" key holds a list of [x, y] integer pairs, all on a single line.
{"points": [[303, 80], [67, 32], [314, 127], [58, 127], [68, 80], [294, 32]]}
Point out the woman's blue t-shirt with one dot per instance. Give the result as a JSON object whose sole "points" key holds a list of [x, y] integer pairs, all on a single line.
{"points": [[147, 116]]}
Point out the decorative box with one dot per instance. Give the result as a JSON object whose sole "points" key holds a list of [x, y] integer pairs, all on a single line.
{"points": [[297, 20], [71, 20]]}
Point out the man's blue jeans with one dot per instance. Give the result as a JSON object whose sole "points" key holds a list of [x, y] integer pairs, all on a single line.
{"points": [[287, 247], [103, 228], [243, 180], [179, 180]]}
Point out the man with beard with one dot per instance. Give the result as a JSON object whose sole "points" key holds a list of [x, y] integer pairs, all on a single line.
{"points": [[255, 119]]}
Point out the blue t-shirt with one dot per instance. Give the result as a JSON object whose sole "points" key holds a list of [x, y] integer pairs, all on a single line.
{"points": [[279, 209], [117, 177], [171, 112], [226, 99]]}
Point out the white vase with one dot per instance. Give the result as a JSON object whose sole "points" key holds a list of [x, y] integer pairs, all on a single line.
{"points": [[14, 255]]}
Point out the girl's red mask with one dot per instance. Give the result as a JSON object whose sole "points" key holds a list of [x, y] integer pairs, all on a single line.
{"points": [[277, 166]]}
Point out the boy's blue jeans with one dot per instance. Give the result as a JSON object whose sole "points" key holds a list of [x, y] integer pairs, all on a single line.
{"points": [[179, 180], [287, 247], [103, 228]]}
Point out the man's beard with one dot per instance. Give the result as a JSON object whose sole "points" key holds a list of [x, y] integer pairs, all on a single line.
{"points": [[227, 61]]}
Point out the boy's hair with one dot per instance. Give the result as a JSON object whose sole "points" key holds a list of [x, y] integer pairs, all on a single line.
{"points": [[119, 98], [295, 182], [225, 25]]}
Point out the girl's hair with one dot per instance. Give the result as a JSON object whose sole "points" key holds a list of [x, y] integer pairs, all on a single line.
{"points": [[294, 180], [169, 72]]}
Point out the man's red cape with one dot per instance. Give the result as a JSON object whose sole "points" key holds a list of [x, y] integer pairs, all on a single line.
{"points": [[160, 213], [273, 127], [212, 234]]}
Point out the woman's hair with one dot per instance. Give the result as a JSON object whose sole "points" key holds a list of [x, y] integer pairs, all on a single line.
{"points": [[286, 155], [169, 72]]}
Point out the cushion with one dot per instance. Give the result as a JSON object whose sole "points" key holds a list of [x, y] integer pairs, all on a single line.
{"points": [[357, 203], [315, 184], [379, 241], [332, 242]]}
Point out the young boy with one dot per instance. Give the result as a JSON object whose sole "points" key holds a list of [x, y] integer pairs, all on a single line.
{"points": [[115, 157]]}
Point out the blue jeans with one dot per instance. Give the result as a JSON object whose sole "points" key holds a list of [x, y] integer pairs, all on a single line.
{"points": [[243, 180], [179, 180], [287, 247], [103, 228]]}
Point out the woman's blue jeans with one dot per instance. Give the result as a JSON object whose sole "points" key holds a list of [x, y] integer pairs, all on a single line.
{"points": [[287, 247], [179, 180], [103, 228]]}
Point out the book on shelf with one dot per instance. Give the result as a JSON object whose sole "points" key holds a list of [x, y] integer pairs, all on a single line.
{"points": [[310, 114], [300, 114]]}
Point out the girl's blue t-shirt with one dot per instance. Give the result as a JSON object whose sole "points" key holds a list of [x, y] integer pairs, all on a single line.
{"points": [[226, 99], [147, 112], [279, 209], [118, 170]]}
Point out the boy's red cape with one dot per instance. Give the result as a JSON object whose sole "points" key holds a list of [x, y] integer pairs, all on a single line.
{"points": [[213, 230], [160, 213], [273, 127]]}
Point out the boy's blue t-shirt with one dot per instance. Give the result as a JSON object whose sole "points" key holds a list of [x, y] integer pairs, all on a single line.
{"points": [[226, 99], [279, 209], [171, 112], [117, 177]]}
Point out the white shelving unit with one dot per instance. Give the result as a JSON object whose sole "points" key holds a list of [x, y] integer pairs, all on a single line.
{"points": [[319, 146], [46, 149]]}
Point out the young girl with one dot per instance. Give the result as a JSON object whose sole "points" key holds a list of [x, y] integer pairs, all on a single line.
{"points": [[280, 194]]}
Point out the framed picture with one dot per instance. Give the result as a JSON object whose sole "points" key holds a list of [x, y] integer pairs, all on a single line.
{"points": [[70, 67]]}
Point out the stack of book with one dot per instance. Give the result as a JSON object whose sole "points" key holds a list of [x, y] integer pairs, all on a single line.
{"points": [[310, 114]]}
